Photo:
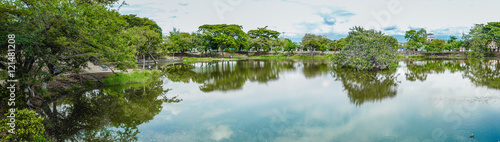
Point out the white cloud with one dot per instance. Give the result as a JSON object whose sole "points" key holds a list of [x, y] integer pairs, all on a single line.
{"points": [[220, 132], [296, 17]]}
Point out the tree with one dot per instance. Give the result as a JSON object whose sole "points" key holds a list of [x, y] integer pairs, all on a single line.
{"points": [[150, 33], [416, 39], [60, 36], [452, 39], [340, 44], [178, 41], [367, 50], [266, 37], [492, 30], [29, 127], [436, 46], [311, 42], [224, 36], [477, 40], [290, 46]]}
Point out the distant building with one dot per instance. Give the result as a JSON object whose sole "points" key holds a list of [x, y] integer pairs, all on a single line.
{"points": [[430, 37], [493, 46]]}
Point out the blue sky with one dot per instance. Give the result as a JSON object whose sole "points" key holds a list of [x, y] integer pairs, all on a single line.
{"points": [[331, 18]]}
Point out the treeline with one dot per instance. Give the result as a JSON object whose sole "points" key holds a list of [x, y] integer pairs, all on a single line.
{"points": [[479, 42], [232, 38]]}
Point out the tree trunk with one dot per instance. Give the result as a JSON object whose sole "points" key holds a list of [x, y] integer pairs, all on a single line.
{"points": [[153, 58]]}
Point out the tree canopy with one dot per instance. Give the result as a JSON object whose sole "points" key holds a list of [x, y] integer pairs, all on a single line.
{"points": [[367, 50], [223, 36], [416, 39]]}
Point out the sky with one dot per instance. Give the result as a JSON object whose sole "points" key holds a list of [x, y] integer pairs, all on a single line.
{"points": [[331, 18]]}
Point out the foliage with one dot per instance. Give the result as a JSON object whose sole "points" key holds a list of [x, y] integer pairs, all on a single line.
{"points": [[367, 86], [59, 36], [480, 72], [367, 50], [290, 45], [150, 34], [312, 42], [436, 45], [178, 41], [108, 114], [340, 44], [134, 77], [263, 38], [477, 41], [416, 39], [225, 76], [224, 36], [29, 126]]}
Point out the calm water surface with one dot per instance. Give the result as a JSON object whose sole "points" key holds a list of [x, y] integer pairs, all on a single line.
{"points": [[290, 100]]}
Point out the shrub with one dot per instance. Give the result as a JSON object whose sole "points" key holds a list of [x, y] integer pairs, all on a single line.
{"points": [[367, 50], [29, 127]]}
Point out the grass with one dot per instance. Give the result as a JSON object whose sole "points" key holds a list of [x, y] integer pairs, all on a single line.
{"points": [[128, 78]]}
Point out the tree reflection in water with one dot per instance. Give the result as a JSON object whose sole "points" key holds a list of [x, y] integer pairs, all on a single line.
{"points": [[110, 114], [367, 86], [228, 75], [480, 72]]}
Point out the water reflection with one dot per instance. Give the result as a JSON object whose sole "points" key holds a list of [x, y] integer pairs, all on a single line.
{"points": [[313, 69], [367, 86], [110, 114], [229, 75], [268, 108], [480, 72]]}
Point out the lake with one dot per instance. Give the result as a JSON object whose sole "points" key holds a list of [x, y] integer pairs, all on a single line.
{"points": [[290, 100]]}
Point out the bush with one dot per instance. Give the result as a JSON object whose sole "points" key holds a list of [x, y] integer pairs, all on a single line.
{"points": [[29, 127], [367, 50]]}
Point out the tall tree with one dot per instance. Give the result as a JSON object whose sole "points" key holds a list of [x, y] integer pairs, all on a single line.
{"points": [[224, 36], [148, 29], [311, 42], [367, 50], [290, 46], [477, 40], [60, 36], [266, 37], [416, 39], [436, 46]]}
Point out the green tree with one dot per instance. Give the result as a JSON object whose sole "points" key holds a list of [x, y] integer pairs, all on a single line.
{"points": [[367, 50], [29, 127], [290, 46], [178, 41], [416, 39], [224, 36], [492, 30], [340, 44], [436, 46], [266, 37], [477, 40], [149, 32], [312, 42], [452, 39], [60, 36]]}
